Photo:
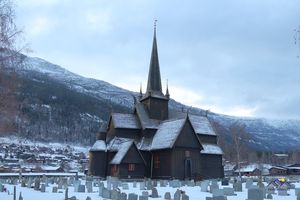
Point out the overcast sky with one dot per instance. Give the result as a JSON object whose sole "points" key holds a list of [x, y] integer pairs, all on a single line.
{"points": [[232, 57]]}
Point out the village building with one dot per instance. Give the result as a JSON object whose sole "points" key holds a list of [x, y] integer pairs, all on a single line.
{"points": [[155, 141]]}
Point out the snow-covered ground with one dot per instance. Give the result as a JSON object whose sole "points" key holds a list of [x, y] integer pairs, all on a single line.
{"points": [[194, 193]]}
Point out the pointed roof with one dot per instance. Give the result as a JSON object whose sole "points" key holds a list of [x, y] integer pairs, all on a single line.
{"points": [[154, 88]]}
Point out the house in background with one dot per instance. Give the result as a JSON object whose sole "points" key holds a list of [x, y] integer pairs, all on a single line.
{"points": [[155, 141]]}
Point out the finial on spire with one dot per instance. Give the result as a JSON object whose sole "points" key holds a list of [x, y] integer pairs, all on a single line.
{"points": [[155, 21], [167, 91]]}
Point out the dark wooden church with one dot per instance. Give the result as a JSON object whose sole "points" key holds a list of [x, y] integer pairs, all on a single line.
{"points": [[155, 141]]}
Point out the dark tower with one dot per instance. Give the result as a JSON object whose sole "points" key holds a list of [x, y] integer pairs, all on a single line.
{"points": [[154, 100]]}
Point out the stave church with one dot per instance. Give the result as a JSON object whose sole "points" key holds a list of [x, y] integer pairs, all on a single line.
{"points": [[155, 141]]}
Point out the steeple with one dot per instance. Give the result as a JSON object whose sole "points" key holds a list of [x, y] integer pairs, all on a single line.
{"points": [[154, 80], [167, 91]]}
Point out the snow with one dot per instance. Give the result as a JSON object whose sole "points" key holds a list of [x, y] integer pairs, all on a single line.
{"points": [[167, 134], [201, 125], [121, 120], [123, 149], [211, 149], [194, 193], [99, 145]]}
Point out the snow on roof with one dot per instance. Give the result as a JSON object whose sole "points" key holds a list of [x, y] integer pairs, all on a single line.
{"points": [[278, 167], [211, 149], [201, 125], [49, 168], [123, 149], [145, 120], [167, 134], [122, 120], [116, 143], [144, 144], [248, 168], [99, 145], [229, 167]]}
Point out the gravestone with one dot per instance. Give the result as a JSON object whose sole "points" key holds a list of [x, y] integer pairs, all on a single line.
{"points": [[76, 185], [37, 184], [297, 191], [23, 182], [132, 196], [249, 183], [191, 183], [167, 196], [143, 198], [214, 185], [43, 187], [81, 188], [101, 186], [145, 193], [149, 184], [54, 189], [154, 193], [217, 192], [106, 193], [115, 194], [237, 186], [228, 191], [177, 195], [225, 181], [66, 194], [88, 198], [125, 186], [185, 197], [204, 186], [162, 183], [282, 192], [134, 184], [123, 196], [20, 196], [142, 186], [269, 196], [255, 194], [89, 186]]}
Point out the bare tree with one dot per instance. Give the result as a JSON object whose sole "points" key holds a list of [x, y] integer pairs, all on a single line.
{"points": [[9, 57], [238, 136]]}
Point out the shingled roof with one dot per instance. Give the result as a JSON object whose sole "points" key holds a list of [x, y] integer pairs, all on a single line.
{"points": [[211, 149], [201, 125], [122, 151], [129, 121], [99, 145], [146, 121]]}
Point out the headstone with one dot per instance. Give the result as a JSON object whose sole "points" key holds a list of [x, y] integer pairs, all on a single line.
{"points": [[106, 193], [185, 197], [237, 186], [76, 185], [225, 181], [191, 183], [54, 189], [23, 182], [81, 188], [67, 194], [142, 186], [37, 184], [72, 198], [134, 184], [214, 185], [228, 191], [298, 196], [249, 183], [282, 192], [125, 186], [43, 187], [149, 184], [162, 183], [297, 191], [145, 193], [115, 194], [217, 192], [154, 183], [88, 198], [154, 193], [132, 196], [123, 196], [143, 198], [15, 193], [20, 196], [167, 196], [89, 186], [260, 184], [177, 195], [204, 186], [101, 186], [255, 194], [269, 196]]}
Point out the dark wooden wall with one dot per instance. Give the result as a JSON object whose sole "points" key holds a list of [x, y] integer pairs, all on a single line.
{"points": [[165, 169], [97, 163], [207, 138], [157, 108], [211, 166]]}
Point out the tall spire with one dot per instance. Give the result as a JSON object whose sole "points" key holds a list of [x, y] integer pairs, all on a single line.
{"points": [[167, 91], [154, 80]]}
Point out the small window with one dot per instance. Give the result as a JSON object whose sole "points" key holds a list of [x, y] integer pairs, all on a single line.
{"points": [[114, 168], [187, 154], [131, 167], [156, 162]]}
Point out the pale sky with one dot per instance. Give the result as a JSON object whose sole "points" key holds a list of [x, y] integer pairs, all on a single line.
{"points": [[232, 57]]}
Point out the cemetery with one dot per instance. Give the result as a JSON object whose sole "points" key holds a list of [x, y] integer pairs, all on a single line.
{"points": [[90, 188]]}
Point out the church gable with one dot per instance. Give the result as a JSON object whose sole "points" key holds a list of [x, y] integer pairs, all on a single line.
{"points": [[187, 137]]}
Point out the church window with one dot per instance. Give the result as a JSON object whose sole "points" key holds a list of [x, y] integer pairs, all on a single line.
{"points": [[187, 154], [114, 168], [131, 167], [156, 162]]}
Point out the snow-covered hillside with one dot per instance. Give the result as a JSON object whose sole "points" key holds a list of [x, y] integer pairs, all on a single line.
{"points": [[98, 98]]}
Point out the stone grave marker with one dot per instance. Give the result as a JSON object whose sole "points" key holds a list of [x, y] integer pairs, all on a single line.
{"points": [[154, 193], [81, 188], [142, 186], [269, 196], [125, 186], [89, 186], [54, 189], [106, 193], [255, 194], [249, 183], [123, 196], [225, 181], [204, 186], [282, 192], [132, 196], [237, 186], [115, 194], [37, 184], [228, 191], [43, 187], [167, 196], [217, 192], [214, 185], [177, 195]]}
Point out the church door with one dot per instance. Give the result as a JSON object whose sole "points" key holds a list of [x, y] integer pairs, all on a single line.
{"points": [[187, 169]]}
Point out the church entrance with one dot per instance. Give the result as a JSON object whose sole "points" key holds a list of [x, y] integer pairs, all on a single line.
{"points": [[187, 169]]}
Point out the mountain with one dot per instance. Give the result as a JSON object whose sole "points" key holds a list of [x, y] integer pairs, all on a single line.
{"points": [[58, 105]]}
